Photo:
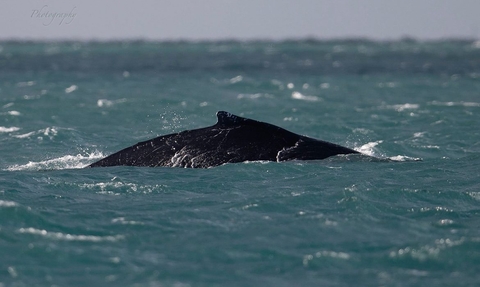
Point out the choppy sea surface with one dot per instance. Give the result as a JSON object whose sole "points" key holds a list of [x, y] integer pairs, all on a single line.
{"points": [[411, 218]]}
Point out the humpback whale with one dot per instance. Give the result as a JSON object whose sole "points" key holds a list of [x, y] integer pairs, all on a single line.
{"points": [[232, 139]]}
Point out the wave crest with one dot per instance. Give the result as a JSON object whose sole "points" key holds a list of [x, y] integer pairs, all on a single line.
{"points": [[70, 237], [64, 162]]}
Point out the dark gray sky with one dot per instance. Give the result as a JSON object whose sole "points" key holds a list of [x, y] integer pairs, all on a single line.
{"points": [[247, 19]]}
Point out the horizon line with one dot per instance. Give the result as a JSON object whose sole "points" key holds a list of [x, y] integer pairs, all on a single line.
{"points": [[405, 38]]}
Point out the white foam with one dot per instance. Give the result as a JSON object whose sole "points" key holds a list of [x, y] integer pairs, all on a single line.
{"points": [[403, 107], [70, 89], [64, 162], [25, 84], [50, 132], [368, 148], [121, 220], [333, 254], [326, 253], [431, 146], [300, 96], [404, 158], [111, 187], [7, 203], [236, 79], [109, 103], [8, 130], [22, 136], [14, 113], [249, 96], [455, 104], [388, 85], [475, 195], [324, 85], [425, 252], [69, 237]]}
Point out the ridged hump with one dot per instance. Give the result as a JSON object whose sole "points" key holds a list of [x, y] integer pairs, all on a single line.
{"points": [[226, 119]]}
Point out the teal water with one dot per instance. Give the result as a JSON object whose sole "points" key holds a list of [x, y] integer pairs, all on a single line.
{"points": [[410, 220]]}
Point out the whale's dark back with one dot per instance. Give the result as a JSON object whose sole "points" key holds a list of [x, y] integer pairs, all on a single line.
{"points": [[232, 139]]}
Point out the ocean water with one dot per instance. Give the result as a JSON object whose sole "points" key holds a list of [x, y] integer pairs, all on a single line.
{"points": [[408, 217]]}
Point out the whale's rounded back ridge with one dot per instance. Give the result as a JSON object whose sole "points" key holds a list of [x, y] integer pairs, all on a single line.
{"points": [[232, 139]]}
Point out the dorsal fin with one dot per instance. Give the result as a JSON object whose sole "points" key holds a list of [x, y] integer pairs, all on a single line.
{"points": [[226, 118]]}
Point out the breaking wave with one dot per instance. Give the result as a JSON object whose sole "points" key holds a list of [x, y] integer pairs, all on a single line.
{"points": [[64, 162]]}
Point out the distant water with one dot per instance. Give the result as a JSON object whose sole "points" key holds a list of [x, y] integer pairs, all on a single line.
{"points": [[413, 221]]}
